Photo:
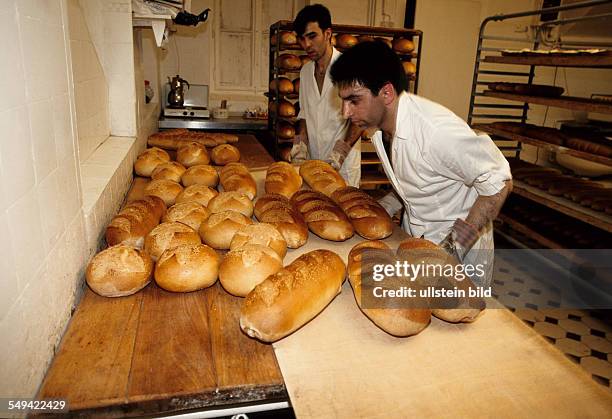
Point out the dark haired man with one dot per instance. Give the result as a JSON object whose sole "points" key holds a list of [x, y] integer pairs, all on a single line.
{"points": [[451, 182], [322, 132]]}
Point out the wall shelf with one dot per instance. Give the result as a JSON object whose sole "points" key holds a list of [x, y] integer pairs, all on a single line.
{"points": [[567, 102], [156, 22]]}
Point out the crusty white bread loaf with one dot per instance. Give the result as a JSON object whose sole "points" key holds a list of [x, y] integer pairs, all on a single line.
{"points": [[149, 159], [118, 271], [368, 217], [288, 62], [224, 154], [293, 296], [282, 178], [191, 213], [219, 229], [192, 154], [168, 235], [174, 139], [277, 210], [321, 177], [186, 268], [396, 321], [170, 171], [134, 221], [285, 86], [236, 177], [230, 200], [260, 233], [243, 268], [201, 174], [323, 216], [197, 193], [345, 40], [167, 190], [403, 45], [154, 203]]}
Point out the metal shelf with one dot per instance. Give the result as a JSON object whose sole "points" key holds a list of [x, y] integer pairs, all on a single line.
{"points": [[567, 102], [587, 61]]}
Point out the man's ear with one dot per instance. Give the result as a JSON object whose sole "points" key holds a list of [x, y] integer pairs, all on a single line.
{"points": [[327, 33], [388, 93]]}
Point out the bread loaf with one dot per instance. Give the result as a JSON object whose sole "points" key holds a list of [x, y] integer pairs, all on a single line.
{"points": [[130, 228], [285, 130], [148, 160], [168, 235], [397, 321], [243, 268], [321, 177], [288, 38], [192, 214], [346, 40], [288, 62], [233, 201], [260, 233], [285, 86], [236, 177], [219, 229], [282, 178], [201, 174], [296, 85], [403, 45], [197, 193], [176, 139], [224, 154], [323, 216], [409, 67], [287, 300], [119, 271], [369, 219], [170, 171], [167, 190], [192, 154], [186, 268], [277, 210]]}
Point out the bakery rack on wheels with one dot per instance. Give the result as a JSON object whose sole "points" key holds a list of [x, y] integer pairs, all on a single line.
{"points": [[282, 127]]}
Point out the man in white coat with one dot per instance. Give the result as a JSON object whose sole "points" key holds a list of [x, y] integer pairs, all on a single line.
{"points": [[322, 132], [450, 181]]}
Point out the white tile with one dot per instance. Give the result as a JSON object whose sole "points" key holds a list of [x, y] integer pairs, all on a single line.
{"points": [[34, 48], [117, 27], [102, 171], [47, 11], [50, 200], [76, 21], [120, 58], [12, 79], [8, 277], [62, 127], [11, 365], [25, 227], [57, 65], [43, 141], [123, 118], [70, 186], [16, 154]]}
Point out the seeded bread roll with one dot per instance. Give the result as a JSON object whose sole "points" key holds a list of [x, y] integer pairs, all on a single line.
{"points": [[130, 227], [167, 190], [219, 229], [224, 154], [293, 296], [192, 214], [321, 177], [168, 235], [323, 216], [260, 233], [281, 213], [148, 160], [201, 174], [234, 201], [170, 171], [236, 177], [197, 193], [243, 268], [397, 321], [369, 219], [118, 271], [282, 178], [192, 154], [186, 268]]}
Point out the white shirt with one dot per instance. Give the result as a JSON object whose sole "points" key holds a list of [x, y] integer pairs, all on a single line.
{"points": [[324, 121]]}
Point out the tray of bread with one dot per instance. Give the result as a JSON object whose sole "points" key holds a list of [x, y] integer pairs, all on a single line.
{"points": [[527, 52]]}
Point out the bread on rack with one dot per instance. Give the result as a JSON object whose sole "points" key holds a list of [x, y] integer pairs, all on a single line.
{"points": [[293, 296], [321, 177], [260, 233], [409, 67], [245, 267], [192, 154], [285, 130], [345, 40], [170, 171], [285, 86], [219, 229], [149, 159], [119, 271], [594, 147], [187, 267], [284, 108], [236, 177], [277, 210], [322, 215], [282, 178], [168, 235], [368, 217], [231, 200], [288, 62], [201, 174], [167, 190], [397, 319], [403, 45], [190, 213], [197, 193]]}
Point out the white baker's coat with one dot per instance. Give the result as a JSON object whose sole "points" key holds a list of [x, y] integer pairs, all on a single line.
{"points": [[438, 167], [324, 121]]}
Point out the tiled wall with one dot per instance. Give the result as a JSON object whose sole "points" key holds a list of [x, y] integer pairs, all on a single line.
{"points": [[41, 222]]}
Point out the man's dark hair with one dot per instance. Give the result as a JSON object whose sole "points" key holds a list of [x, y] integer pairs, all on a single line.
{"points": [[370, 64], [313, 13]]}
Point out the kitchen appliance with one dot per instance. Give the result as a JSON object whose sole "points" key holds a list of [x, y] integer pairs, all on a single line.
{"points": [[176, 95], [195, 103]]}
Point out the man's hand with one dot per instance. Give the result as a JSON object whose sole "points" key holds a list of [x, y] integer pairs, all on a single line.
{"points": [[338, 154], [460, 239], [299, 152]]}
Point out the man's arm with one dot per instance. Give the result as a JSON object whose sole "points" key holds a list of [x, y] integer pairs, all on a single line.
{"points": [[486, 208], [299, 151], [343, 146]]}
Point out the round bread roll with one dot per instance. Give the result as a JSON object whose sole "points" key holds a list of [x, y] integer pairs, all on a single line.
{"points": [[403, 45], [130, 227], [236, 177], [201, 174], [286, 109], [231, 201], [260, 233], [409, 67], [244, 268], [219, 229], [346, 40], [167, 190], [148, 160], [296, 85], [288, 38], [224, 154], [197, 193], [154, 203], [192, 214], [186, 268], [170, 171], [285, 130], [285, 86], [168, 235], [288, 62], [192, 154], [118, 271]]}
